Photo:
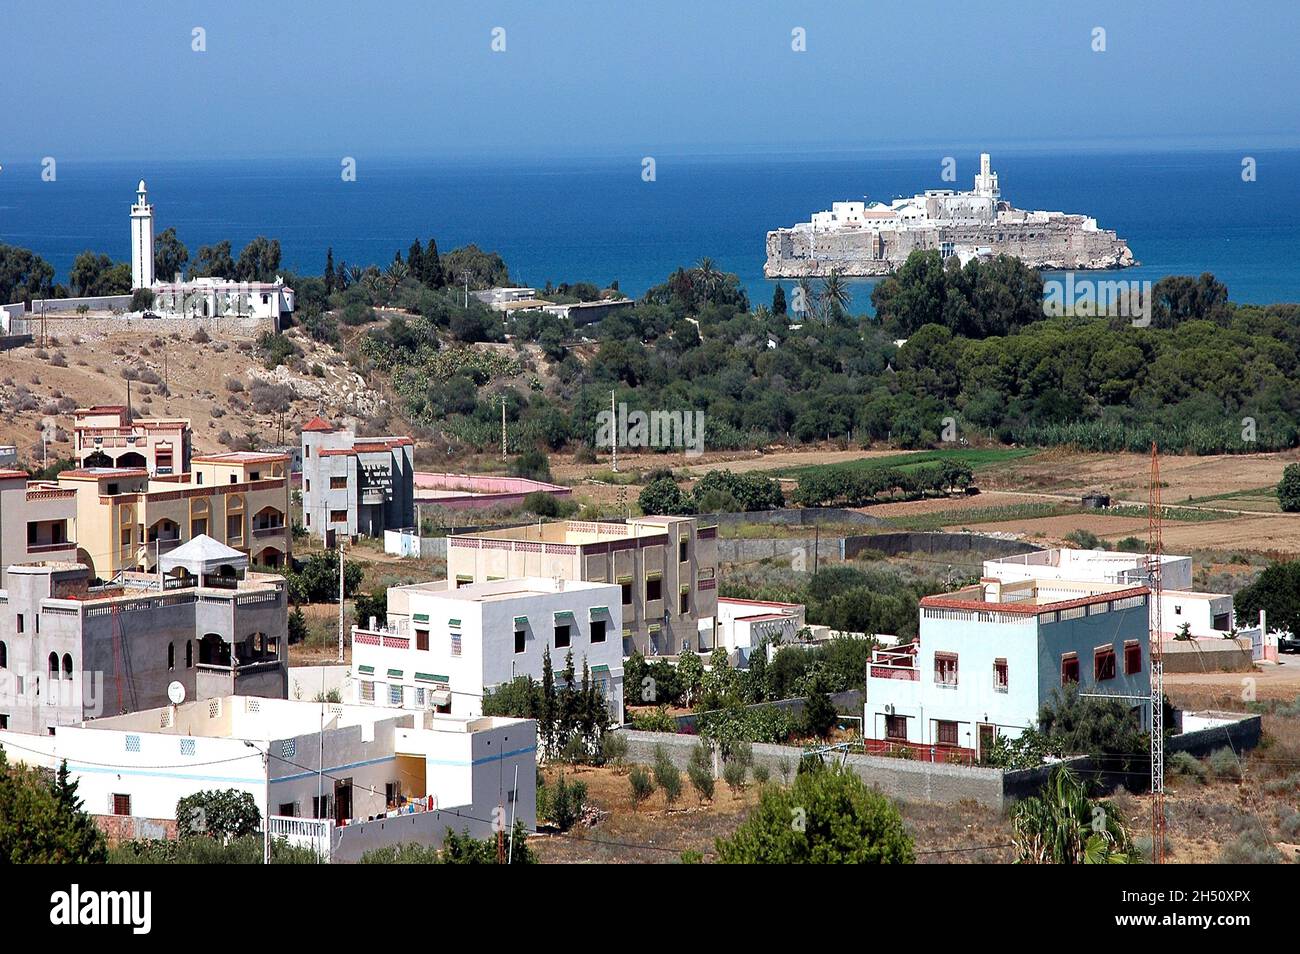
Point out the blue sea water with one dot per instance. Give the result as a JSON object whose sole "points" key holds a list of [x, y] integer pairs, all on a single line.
{"points": [[597, 220]]}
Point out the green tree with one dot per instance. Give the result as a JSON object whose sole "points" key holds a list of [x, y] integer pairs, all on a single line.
{"points": [[220, 814], [1288, 488], [170, 256], [778, 301], [1063, 826], [828, 816], [662, 497], [41, 818], [214, 261], [23, 275], [1277, 592], [259, 261]]}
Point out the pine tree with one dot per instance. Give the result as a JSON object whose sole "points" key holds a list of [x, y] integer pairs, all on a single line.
{"points": [[432, 271], [415, 260], [546, 718]]}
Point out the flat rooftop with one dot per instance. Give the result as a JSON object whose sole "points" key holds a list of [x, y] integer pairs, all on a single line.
{"points": [[500, 590], [579, 532], [1031, 597]]}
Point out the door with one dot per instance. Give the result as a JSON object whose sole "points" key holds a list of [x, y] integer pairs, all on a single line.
{"points": [[987, 733], [343, 801]]}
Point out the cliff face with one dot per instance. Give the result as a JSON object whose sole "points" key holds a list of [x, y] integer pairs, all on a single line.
{"points": [[1062, 243]]}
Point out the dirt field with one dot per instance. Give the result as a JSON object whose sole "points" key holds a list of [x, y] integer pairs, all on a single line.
{"points": [[79, 371]]}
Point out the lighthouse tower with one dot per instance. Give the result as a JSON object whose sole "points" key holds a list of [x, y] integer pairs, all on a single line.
{"points": [[141, 240]]}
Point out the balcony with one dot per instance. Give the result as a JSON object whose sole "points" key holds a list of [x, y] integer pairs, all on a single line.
{"points": [[895, 664], [45, 548], [384, 640]]}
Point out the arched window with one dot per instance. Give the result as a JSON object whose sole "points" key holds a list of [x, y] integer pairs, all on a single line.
{"points": [[4, 656], [54, 666], [67, 666], [171, 656], [189, 654]]}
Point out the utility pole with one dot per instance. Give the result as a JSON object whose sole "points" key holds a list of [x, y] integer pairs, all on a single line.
{"points": [[613, 433], [340, 599], [503, 427]]}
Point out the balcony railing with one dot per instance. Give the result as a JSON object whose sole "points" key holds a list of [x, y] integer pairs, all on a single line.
{"points": [[385, 640], [894, 664], [51, 547]]}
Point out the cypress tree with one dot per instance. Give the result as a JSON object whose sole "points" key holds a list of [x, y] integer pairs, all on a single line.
{"points": [[432, 273], [415, 260], [778, 301], [330, 280]]}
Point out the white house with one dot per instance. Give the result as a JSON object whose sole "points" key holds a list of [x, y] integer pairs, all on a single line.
{"points": [[988, 656], [742, 624], [344, 777], [1207, 615], [443, 648]]}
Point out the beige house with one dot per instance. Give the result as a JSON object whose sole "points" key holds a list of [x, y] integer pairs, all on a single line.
{"points": [[126, 519], [667, 568], [37, 520], [106, 436]]}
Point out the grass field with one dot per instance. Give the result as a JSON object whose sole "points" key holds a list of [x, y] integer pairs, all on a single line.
{"points": [[977, 458]]}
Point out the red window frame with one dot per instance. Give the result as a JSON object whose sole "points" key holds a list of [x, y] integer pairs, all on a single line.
{"points": [[1132, 657], [1069, 668], [945, 669], [1104, 664], [945, 732]]}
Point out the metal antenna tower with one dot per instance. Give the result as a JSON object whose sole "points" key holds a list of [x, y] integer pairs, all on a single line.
{"points": [[1155, 548]]}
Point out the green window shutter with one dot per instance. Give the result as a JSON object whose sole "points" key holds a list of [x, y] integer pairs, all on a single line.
{"points": [[395, 674], [366, 670], [422, 617]]}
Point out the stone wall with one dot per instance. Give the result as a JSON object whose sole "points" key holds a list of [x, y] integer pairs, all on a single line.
{"points": [[1208, 655], [895, 544], [65, 326]]}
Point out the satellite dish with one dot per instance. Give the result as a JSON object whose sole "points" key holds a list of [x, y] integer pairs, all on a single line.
{"points": [[176, 693]]}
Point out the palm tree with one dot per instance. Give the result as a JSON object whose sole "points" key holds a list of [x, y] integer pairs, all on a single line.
{"points": [[710, 276], [397, 273], [835, 295], [1063, 826]]}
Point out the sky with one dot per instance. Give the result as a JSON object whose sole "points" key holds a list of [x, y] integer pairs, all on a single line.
{"points": [[420, 78]]}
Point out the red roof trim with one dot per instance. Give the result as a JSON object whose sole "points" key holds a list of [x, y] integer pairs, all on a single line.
{"points": [[1030, 609]]}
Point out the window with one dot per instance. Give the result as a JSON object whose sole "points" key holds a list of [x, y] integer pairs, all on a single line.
{"points": [[1103, 663], [1000, 675], [31, 533], [520, 639], [627, 593], [234, 479], [4, 721], [338, 516], [198, 526], [395, 694], [1069, 668], [121, 804], [306, 484], [684, 604], [54, 666], [189, 654], [171, 657], [896, 728], [654, 588], [18, 627], [307, 518], [338, 483], [562, 637], [1132, 657], [288, 809], [4, 656], [945, 669], [235, 527], [367, 692], [946, 732], [421, 639], [455, 644], [682, 549], [597, 630], [198, 477]]}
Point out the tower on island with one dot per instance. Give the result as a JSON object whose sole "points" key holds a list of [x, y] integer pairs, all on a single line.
{"points": [[141, 239]]}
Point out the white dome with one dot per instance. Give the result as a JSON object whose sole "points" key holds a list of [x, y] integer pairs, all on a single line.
{"points": [[140, 187]]}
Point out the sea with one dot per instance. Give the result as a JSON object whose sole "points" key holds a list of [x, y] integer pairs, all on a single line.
{"points": [[606, 219]]}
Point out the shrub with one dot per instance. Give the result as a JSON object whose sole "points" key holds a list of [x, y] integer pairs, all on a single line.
{"points": [[761, 773], [1249, 847], [1186, 764], [733, 773], [1224, 764], [613, 749], [567, 803], [641, 784]]}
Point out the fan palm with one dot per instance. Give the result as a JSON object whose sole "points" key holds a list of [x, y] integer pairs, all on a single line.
{"points": [[1063, 826]]}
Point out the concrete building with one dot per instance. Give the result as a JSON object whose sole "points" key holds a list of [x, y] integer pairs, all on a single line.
{"points": [[126, 519], [667, 568], [1209, 615], [37, 521], [70, 652], [372, 776], [442, 648], [988, 656], [106, 437], [743, 624], [224, 298], [355, 485]]}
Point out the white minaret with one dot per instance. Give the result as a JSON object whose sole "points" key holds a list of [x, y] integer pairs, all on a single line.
{"points": [[141, 240], [986, 183]]}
